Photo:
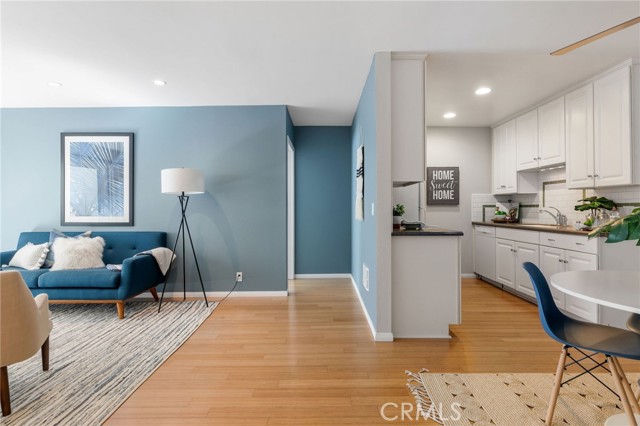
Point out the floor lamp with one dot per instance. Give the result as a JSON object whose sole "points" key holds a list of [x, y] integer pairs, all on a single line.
{"points": [[183, 183]]}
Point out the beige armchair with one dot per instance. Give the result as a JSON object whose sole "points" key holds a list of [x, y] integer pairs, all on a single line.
{"points": [[24, 328]]}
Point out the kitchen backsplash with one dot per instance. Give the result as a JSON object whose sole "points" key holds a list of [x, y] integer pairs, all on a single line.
{"points": [[552, 191]]}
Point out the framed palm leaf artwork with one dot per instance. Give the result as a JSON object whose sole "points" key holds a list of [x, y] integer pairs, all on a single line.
{"points": [[97, 179]]}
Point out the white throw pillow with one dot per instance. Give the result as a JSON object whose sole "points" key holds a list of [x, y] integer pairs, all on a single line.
{"points": [[30, 256], [80, 253], [53, 235]]}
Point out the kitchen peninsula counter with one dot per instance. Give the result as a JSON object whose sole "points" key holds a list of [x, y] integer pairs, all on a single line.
{"points": [[426, 281], [429, 231]]}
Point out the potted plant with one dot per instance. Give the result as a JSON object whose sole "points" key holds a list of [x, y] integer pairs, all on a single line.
{"points": [[398, 211], [621, 229], [596, 205]]}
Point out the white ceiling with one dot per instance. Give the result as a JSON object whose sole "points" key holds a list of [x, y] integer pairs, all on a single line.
{"points": [[313, 56]]}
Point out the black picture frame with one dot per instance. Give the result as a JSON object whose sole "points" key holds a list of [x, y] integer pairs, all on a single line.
{"points": [[443, 186], [96, 178]]}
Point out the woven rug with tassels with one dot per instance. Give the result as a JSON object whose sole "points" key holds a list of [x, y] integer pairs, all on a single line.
{"points": [[508, 399]]}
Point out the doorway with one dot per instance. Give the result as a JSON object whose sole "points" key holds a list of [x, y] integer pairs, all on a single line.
{"points": [[290, 210]]}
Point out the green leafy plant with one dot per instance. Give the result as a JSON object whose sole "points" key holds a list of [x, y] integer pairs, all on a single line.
{"points": [[622, 229], [594, 203], [398, 210], [500, 213]]}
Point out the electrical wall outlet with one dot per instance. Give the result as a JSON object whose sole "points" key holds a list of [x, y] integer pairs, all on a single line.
{"points": [[365, 277], [239, 277]]}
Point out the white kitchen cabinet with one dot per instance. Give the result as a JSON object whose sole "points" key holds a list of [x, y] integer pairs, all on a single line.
{"points": [[505, 263], [504, 159], [527, 140], [506, 179], [510, 255], [484, 251], [551, 133], [552, 262], [598, 132], [579, 137], [559, 258], [540, 136], [612, 128], [408, 118]]}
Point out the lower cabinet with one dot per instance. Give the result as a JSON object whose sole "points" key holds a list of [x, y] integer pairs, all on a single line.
{"points": [[510, 255], [553, 260], [551, 252]]}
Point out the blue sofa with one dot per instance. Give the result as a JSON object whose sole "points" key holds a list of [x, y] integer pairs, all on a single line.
{"points": [[101, 285]]}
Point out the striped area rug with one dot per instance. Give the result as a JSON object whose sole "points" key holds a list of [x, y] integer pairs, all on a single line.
{"points": [[97, 360], [508, 399]]}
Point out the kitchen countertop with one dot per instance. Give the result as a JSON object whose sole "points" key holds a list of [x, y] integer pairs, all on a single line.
{"points": [[428, 231], [535, 227]]}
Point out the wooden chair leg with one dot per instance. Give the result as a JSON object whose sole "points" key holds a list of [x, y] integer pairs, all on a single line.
{"points": [[154, 293], [45, 355], [631, 419], [120, 308], [626, 385], [556, 386], [5, 399]]}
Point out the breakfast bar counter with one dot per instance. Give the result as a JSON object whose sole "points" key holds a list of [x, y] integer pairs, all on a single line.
{"points": [[425, 282]]}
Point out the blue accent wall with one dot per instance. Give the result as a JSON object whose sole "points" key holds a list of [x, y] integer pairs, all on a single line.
{"points": [[363, 233], [323, 200], [239, 224]]}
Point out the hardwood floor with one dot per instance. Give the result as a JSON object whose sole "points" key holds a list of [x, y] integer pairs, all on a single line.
{"points": [[309, 359]]}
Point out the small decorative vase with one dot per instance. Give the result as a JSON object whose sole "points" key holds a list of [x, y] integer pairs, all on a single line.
{"points": [[396, 222], [590, 218]]}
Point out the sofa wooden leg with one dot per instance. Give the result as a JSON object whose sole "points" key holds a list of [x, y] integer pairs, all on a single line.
{"points": [[154, 293], [45, 355], [120, 308], [5, 399]]}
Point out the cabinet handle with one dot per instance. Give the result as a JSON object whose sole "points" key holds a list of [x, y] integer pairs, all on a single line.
{"points": [[589, 176], [596, 176], [560, 260], [551, 240], [534, 158], [515, 251], [565, 261], [579, 244]]}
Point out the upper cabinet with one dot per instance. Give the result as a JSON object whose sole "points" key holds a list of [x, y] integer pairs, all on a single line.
{"points": [[540, 136], [579, 136], [527, 140], [505, 177], [599, 140], [551, 144], [612, 128], [408, 118], [504, 157]]}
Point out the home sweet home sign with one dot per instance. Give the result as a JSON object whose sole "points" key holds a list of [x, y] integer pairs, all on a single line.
{"points": [[443, 186]]}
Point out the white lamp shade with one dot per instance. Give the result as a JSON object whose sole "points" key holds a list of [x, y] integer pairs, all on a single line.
{"points": [[181, 180]]}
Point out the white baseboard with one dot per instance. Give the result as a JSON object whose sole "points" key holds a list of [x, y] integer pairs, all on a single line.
{"points": [[468, 275], [378, 337], [215, 294], [321, 276]]}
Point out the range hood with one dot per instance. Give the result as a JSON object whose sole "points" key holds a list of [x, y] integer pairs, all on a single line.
{"points": [[402, 184]]}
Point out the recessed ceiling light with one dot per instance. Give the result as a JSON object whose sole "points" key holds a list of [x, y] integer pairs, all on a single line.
{"points": [[449, 115], [483, 90], [159, 82], [55, 84]]}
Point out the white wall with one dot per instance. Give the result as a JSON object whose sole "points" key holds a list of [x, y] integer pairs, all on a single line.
{"points": [[470, 149]]}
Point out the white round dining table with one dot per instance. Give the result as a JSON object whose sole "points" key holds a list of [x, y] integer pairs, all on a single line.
{"points": [[616, 289]]}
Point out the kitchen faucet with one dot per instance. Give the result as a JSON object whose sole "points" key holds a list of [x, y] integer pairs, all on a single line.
{"points": [[561, 220]]}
